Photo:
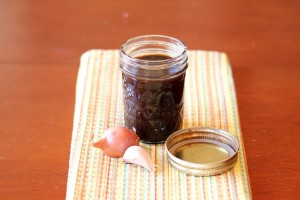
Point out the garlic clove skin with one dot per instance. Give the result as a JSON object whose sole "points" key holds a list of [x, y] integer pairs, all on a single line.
{"points": [[137, 155]]}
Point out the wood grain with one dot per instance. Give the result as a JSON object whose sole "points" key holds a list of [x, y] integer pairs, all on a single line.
{"points": [[41, 42]]}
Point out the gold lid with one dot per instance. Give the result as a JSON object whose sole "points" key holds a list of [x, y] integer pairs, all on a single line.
{"points": [[202, 151]]}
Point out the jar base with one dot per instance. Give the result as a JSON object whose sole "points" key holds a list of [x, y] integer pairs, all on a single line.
{"points": [[151, 142]]}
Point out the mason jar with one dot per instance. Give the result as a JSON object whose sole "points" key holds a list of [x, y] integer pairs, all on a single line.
{"points": [[153, 73]]}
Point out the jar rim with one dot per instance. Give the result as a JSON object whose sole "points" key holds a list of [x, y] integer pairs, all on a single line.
{"points": [[150, 45], [179, 56]]}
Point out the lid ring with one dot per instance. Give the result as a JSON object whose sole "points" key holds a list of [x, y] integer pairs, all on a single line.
{"points": [[217, 138]]}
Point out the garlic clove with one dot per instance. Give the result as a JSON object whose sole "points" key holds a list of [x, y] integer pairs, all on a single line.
{"points": [[137, 155]]}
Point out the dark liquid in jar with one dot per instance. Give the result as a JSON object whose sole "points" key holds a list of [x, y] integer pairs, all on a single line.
{"points": [[153, 108]]}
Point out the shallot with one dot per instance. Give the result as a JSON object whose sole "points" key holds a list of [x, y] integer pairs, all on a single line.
{"points": [[116, 140]]}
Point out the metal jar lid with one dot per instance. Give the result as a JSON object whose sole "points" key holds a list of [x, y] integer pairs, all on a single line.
{"points": [[202, 151]]}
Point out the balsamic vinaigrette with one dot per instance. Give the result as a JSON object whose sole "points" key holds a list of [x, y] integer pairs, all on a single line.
{"points": [[154, 57], [153, 108], [153, 72]]}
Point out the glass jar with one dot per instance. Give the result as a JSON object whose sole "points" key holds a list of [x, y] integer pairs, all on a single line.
{"points": [[153, 73]]}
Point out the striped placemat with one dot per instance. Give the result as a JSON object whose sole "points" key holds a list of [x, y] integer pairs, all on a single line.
{"points": [[209, 101]]}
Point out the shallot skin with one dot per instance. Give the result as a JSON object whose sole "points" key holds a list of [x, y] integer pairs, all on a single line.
{"points": [[137, 155], [115, 141]]}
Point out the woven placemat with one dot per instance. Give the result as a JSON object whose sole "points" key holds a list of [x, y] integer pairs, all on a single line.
{"points": [[209, 101]]}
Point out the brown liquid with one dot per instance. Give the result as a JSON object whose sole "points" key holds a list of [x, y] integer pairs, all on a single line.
{"points": [[153, 108], [154, 57]]}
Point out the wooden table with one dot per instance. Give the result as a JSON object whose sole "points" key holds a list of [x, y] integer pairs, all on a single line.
{"points": [[41, 42]]}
